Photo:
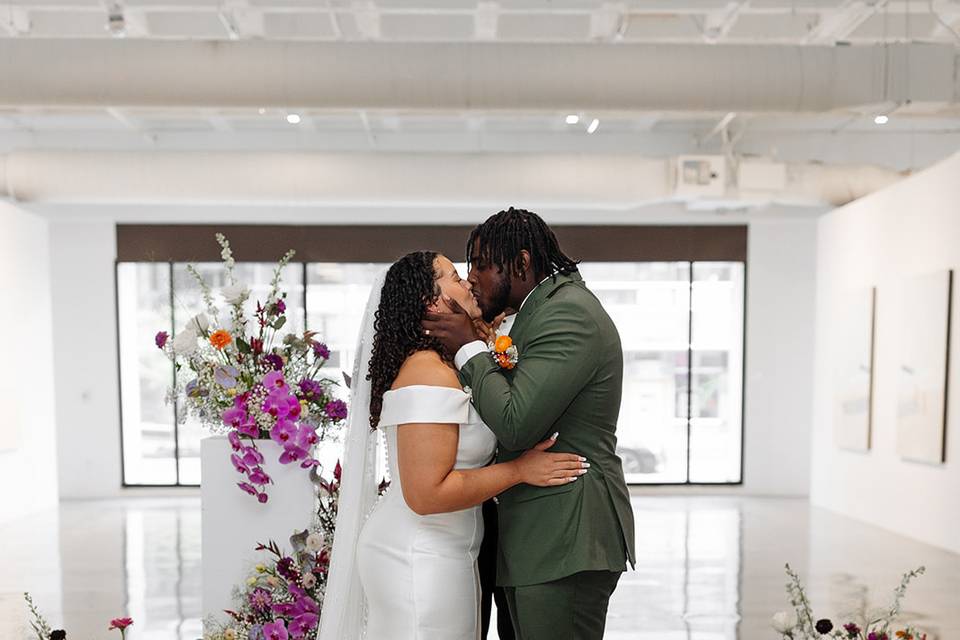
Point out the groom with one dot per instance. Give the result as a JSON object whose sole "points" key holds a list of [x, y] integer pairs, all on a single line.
{"points": [[562, 548]]}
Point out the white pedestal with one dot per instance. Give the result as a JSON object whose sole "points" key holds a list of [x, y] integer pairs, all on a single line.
{"points": [[234, 522]]}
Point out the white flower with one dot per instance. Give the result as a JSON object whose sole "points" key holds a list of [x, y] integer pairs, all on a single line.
{"points": [[784, 621], [314, 542], [235, 293], [309, 581], [199, 322], [185, 342]]}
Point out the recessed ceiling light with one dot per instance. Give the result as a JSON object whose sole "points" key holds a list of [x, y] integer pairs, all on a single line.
{"points": [[573, 118], [261, 111], [593, 125], [881, 120], [293, 118]]}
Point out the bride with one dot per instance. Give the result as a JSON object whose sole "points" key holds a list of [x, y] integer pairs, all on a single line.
{"points": [[404, 567]]}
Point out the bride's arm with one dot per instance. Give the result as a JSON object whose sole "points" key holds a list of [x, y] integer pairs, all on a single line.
{"points": [[427, 453]]}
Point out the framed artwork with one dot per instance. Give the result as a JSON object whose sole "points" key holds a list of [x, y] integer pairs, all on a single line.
{"points": [[853, 371], [922, 367]]}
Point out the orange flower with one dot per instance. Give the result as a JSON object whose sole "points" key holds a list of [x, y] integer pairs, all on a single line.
{"points": [[220, 338], [502, 344]]}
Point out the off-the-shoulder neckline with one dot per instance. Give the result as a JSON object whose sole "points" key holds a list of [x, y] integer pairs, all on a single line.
{"points": [[426, 386]]}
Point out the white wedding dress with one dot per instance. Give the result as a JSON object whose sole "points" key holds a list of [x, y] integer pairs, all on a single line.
{"points": [[419, 573]]}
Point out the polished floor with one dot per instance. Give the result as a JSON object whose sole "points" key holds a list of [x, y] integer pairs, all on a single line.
{"points": [[708, 569]]}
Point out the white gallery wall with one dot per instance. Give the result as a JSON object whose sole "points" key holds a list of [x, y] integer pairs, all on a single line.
{"points": [[28, 450], [778, 363], [906, 230]]}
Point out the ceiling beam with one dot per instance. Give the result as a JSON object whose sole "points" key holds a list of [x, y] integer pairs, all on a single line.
{"points": [[470, 76]]}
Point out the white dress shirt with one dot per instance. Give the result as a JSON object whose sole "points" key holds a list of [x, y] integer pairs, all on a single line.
{"points": [[471, 349]]}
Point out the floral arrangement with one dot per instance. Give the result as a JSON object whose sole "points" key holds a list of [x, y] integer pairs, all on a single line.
{"points": [[504, 352], [282, 598], [251, 381], [876, 624], [43, 631]]}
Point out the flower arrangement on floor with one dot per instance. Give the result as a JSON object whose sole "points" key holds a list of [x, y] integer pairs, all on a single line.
{"points": [[43, 631], [255, 383], [800, 623], [282, 598]]}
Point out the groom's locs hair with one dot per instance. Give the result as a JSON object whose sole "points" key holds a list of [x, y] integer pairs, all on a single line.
{"points": [[504, 235], [408, 288]]}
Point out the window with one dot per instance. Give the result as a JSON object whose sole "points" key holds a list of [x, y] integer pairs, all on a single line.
{"points": [[680, 318]]}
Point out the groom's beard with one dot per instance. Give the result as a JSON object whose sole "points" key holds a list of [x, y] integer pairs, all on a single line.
{"points": [[499, 298]]}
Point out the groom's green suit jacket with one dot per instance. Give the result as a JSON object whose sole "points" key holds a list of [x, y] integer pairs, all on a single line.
{"points": [[568, 380]]}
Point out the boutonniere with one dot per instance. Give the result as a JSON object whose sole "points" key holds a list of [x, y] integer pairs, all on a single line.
{"points": [[504, 352]]}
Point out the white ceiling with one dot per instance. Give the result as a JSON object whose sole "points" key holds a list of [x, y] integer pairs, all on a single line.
{"points": [[581, 21]]}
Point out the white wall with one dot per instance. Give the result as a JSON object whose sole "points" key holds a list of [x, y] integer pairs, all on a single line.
{"points": [[779, 367], [779, 318], [28, 451], [85, 343], [908, 229]]}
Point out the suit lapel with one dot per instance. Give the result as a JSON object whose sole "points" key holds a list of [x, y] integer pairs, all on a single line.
{"points": [[541, 294]]}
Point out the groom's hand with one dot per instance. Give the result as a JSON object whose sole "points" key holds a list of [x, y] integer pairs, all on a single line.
{"points": [[453, 330]]}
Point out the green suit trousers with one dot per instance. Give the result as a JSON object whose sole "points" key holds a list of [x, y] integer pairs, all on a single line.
{"points": [[572, 608]]}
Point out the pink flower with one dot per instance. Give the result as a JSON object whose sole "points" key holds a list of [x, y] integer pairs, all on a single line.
{"points": [[307, 436], [249, 488], [283, 432], [120, 624], [275, 631], [234, 417], [292, 454], [258, 476], [238, 463], [161, 339], [274, 381], [234, 440], [303, 624], [252, 457], [262, 498]]}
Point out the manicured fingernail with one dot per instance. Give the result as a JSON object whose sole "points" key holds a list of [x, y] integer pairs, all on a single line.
{"points": [[582, 459], [585, 465], [555, 436], [582, 471], [573, 478]]}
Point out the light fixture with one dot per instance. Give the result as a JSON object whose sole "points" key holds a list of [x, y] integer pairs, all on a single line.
{"points": [[573, 118], [116, 24], [881, 119], [293, 118], [593, 125], [261, 111]]}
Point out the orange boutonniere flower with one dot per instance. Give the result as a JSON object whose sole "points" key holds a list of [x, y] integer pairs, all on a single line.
{"points": [[220, 338], [504, 352]]}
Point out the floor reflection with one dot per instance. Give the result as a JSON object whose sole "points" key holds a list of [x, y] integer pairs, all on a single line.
{"points": [[708, 569]]}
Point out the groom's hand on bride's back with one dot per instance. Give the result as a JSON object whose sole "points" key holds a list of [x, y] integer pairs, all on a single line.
{"points": [[454, 329]]}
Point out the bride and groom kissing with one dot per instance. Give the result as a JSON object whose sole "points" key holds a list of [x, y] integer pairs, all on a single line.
{"points": [[462, 427]]}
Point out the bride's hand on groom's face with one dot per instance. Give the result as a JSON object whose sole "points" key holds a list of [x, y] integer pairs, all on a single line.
{"points": [[453, 329]]}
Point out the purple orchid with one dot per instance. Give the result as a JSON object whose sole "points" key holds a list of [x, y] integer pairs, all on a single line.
{"points": [[336, 410], [309, 462], [275, 630], [292, 454], [238, 463], [258, 476], [262, 497], [252, 456], [307, 436], [306, 604], [225, 376], [293, 407], [280, 306], [283, 432], [303, 624], [161, 339], [276, 405], [234, 417], [234, 440], [249, 428], [249, 488]]}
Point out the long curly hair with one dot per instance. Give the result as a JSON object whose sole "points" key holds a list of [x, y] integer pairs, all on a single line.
{"points": [[409, 287]]}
